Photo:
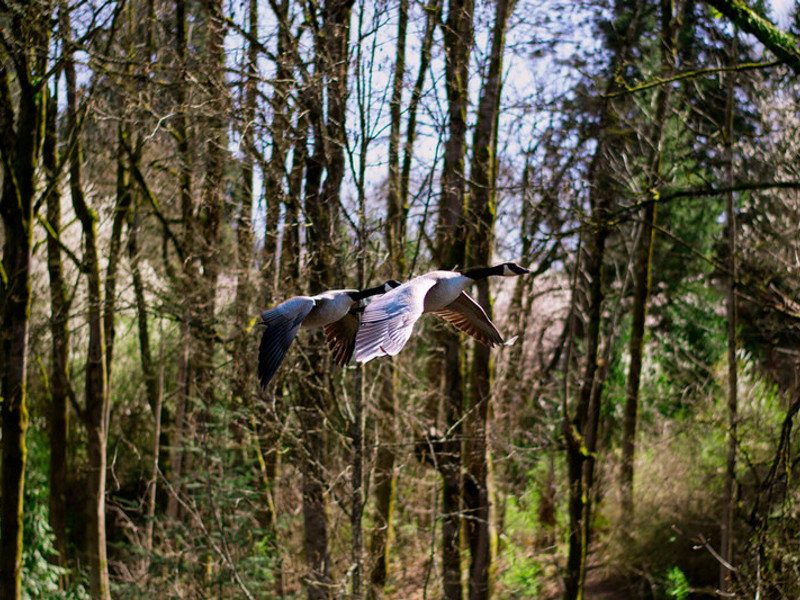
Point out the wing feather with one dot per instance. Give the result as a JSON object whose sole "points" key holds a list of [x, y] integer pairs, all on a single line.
{"points": [[388, 321], [281, 326], [468, 316], [341, 336]]}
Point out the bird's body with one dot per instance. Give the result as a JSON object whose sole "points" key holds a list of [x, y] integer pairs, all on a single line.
{"points": [[332, 310], [388, 321]]}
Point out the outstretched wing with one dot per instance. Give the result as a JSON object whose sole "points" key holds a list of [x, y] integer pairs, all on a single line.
{"points": [[389, 320], [341, 336], [468, 316], [281, 325]]}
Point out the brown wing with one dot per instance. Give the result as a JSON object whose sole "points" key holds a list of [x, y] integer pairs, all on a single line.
{"points": [[341, 336], [467, 315]]}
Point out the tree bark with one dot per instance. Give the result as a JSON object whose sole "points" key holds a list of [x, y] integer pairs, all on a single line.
{"points": [[209, 217], [396, 207], [188, 272], [458, 39], [643, 259], [322, 209], [728, 491], [121, 210], [478, 493], [395, 236], [383, 484], [784, 45], [20, 148], [432, 15], [451, 249], [13, 356], [244, 237], [96, 408], [60, 388], [582, 429]]}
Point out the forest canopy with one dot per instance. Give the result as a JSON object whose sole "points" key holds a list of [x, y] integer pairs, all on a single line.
{"points": [[184, 183]]}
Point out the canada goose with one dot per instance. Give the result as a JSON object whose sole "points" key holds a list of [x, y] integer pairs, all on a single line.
{"points": [[335, 311], [388, 321]]}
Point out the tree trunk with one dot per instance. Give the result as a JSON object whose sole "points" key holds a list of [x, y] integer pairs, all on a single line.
{"points": [[432, 15], [396, 205], [728, 491], [324, 272], [383, 484], [242, 381], [154, 386], [20, 147], [395, 235], [188, 273], [13, 356], [581, 431], [60, 390], [96, 409], [480, 238], [210, 210], [450, 252], [642, 262], [121, 210], [458, 39]]}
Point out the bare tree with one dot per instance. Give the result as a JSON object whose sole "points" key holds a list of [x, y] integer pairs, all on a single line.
{"points": [[23, 79], [60, 386], [478, 488], [96, 392]]}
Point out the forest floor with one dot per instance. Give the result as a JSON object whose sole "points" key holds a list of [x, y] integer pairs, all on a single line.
{"points": [[602, 586]]}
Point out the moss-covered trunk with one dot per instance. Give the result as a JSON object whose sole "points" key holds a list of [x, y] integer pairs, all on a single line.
{"points": [[478, 494], [20, 147], [642, 263], [96, 393], [60, 388], [13, 358]]}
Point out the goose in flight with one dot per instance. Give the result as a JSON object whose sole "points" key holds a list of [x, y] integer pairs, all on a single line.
{"points": [[336, 311], [388, 321]]}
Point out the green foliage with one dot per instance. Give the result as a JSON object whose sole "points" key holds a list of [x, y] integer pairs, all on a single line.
{"points": [[40, 577], [533, 523], [677, 584], [680, 455], [523, 575]]}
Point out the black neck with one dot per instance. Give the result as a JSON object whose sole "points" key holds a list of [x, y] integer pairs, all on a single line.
{"points": [[483, 272], [374, 291]]}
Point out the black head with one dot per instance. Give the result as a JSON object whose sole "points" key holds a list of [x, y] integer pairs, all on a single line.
{"points": [[390, 284], [511, 269]]}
